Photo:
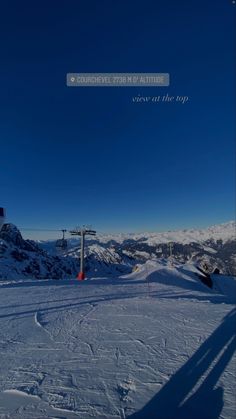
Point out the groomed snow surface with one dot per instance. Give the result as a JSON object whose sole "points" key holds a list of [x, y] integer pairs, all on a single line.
{"points": [[154, 344]]}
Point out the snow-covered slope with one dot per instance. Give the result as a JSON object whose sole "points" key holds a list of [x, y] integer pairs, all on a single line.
{"points": [[155, 344], [103, 261]]}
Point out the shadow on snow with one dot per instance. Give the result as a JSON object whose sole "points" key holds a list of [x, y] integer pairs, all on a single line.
{"points": [[194, 285], [172, 401], [63, 307], [67, 282]]}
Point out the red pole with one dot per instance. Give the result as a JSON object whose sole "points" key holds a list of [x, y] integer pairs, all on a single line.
{"points": [[81, 276]]}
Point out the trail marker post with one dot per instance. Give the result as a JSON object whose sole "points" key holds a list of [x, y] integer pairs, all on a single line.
{"points": [[171, 245]]}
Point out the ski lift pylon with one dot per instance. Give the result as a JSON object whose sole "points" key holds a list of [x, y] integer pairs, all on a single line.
{"points": [[2, 217]]}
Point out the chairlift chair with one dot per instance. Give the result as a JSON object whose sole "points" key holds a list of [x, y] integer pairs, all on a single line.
{"points": [[61, 244]]}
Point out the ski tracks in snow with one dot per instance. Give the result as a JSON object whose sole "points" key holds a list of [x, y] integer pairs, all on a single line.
{"points": [[99, 357]]}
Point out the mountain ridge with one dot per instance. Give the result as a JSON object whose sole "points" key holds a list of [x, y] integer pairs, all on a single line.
{"points": [[225, 231], [215, 247]]}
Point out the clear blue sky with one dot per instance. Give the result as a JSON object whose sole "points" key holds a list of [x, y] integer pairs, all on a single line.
{"points": [[73, 156]]}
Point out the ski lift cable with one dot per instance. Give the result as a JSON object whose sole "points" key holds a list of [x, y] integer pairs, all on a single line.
{"points": [[66, 230], [60, 243], [42, 229], [50, 229]]}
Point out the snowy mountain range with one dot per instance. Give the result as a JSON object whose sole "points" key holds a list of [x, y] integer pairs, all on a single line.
{"points": [[224, 232], [214, 247]]}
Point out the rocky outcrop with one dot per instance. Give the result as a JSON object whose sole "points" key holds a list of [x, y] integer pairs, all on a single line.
{"points": [[21, 258]]}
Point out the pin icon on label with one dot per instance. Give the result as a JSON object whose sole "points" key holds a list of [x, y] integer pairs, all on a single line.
{"points": [[72, 79]]}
